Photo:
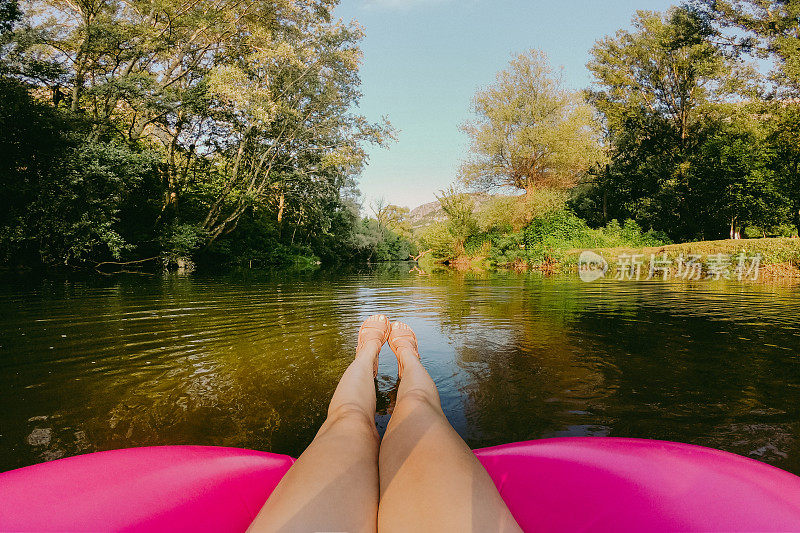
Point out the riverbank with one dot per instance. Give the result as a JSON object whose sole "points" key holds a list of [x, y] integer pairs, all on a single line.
{"points": [[774, 259]]}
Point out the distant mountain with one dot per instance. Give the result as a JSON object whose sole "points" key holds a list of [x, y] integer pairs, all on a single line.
{"points": [[432, 212], [426, 214]]}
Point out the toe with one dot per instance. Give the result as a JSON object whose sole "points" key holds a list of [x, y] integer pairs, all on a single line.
{"points": [[375, 327]]}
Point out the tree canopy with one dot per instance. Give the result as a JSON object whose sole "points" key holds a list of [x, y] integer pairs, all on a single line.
{"points": [[667, 67], [771, 29], [688, 151], [246, 112], [529, 131]]}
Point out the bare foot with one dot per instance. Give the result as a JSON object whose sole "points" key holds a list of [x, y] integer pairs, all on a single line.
{"points": [[403, 343], [371, 336]]}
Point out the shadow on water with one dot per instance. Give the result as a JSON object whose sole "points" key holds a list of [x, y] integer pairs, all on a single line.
{"points": [[250, 359]]}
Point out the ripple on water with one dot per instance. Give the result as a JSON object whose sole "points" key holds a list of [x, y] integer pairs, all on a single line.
{"points": [[253, 362]]}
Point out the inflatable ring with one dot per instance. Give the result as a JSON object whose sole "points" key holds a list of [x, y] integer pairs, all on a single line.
{"points": [[564, 484]]}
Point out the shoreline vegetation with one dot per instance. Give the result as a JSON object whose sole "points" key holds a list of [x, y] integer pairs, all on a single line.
{"points": [[779, 257], [779, 260], [168, 136]]}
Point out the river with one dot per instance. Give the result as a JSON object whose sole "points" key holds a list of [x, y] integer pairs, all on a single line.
{"points": [[251, 359]]}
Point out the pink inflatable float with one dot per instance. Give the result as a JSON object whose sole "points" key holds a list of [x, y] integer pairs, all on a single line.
{"points": [[572, 484]]}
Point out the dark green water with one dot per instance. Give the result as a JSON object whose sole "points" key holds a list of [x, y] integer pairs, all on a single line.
{"points": [[251, 360]]}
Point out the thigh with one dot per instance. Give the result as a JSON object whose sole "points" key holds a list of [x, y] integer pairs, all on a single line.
{"points": [[430, 479], [333, 486]]}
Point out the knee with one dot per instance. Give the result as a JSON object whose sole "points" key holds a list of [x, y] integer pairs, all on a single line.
{"points": [[353, 417], [415, 399]]}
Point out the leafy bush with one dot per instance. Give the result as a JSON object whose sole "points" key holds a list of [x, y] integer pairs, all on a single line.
{"points": [[438, 238], [374, 242], [461, 221], [498, 214], [549, 238], [65, 192]]}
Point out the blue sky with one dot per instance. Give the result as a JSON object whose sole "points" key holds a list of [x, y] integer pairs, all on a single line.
{"points": [[424, 60]]}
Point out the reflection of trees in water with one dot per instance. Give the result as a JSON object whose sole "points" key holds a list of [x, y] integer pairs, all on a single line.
{"points": [[232, 366], [653, 362], [252, 361], [516, 394], [524, 377], [692, 378]]}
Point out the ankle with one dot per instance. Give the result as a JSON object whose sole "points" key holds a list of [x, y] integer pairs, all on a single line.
{"points": [[369, 349], [408, 355]]}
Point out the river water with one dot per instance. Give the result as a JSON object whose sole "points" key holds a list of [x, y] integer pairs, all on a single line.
{"points": [[251, 360]]}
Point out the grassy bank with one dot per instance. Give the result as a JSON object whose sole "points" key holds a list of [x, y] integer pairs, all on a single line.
{"points": [[541, 232], [779, 257]]}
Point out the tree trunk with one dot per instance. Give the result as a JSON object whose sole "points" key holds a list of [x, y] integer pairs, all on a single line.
{"points": [[80, 65], [280, 207], [605, 207], [76, 90]]}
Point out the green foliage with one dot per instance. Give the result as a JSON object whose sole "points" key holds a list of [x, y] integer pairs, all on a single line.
{"points": [[9, 15], [98, 180], [684, 160], [65, 193], [374, 242], [667, 67], [225, 132], [461, 220], [228, 134], [505, 213], [395, 218], [181, 241], [745, 189], [438, 238], [771, 28], [550, 239], [784, 138], [529, 132], [498, 213]]}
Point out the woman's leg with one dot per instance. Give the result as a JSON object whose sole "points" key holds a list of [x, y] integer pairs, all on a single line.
{"points": [[333, 486], [429, 478]]}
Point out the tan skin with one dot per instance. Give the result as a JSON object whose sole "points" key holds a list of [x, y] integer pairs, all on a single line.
{"points": [[421, 477]]}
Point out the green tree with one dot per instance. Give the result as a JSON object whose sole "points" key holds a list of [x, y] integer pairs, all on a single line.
{"points": [[530, 132], [251, 107], [667, 67], [732, 176], [288, 107], [660, 89], [784, 138], [461, 220], [396, 219], [65, 195], [374, 242], [771, 29], [9, 15]]}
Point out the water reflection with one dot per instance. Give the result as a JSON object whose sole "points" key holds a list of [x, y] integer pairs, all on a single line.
{"points": [[251, 360]]}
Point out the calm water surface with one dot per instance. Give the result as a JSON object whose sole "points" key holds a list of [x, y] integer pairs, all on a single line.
{"points": [[252, 360]]}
